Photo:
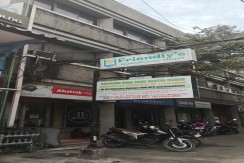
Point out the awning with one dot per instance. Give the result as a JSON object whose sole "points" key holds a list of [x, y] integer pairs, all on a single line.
{"points": [[13, 38]]}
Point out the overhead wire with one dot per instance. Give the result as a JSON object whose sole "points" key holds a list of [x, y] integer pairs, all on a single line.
{"points": [[164, 17]]}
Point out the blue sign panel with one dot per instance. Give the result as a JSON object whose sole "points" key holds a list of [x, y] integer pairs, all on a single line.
{"points": [[165, 102]]}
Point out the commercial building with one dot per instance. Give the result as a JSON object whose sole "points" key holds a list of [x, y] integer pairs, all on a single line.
{"points": [[58, 79]]}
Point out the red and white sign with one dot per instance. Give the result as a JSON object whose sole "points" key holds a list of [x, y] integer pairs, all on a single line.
{"points": [[43, 91], [71, 91]]}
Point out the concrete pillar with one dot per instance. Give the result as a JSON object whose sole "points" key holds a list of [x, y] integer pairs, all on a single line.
{"points": [[20, 77], [22, 116], [128, 119], [106, 117], [235, 114], [170, 115], [47, 116], [106, 23], [57, 117], [209, 115]]}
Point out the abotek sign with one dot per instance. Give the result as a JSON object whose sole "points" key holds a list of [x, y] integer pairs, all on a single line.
{"points": [[43, 91], [171, 56], [155, 88]]}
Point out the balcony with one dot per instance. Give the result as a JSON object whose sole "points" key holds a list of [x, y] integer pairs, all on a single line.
{"points": [[61, 26], [210, 94]]}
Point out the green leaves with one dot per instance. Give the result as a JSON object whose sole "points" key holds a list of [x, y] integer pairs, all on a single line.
{"points": [[215, 50]]}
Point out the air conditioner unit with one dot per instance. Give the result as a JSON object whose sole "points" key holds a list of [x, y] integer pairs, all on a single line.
{"points": [[221, 88], [228, 90]]}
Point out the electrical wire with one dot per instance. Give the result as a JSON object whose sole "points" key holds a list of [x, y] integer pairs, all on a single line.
{"points": [[165, 17]]}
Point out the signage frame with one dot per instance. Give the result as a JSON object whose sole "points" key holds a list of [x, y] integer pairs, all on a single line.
{"points": [[155, 88], [165, 57]]}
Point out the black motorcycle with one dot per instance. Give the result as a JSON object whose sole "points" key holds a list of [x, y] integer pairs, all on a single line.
{"points": [[118, 137], [187, 134], [230, 127]]}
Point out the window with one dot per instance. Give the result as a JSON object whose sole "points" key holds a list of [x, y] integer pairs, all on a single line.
{"points": [[46, 4], [118, 30], [67, 11], [87, 18], [132, 34]]}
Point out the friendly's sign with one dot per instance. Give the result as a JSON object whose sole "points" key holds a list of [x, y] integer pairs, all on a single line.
{"points": [[155, 88], [171, 56]]}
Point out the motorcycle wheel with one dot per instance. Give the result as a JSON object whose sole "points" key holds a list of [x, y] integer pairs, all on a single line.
{"points": [[174, 146], [193, 139], [108, 142]]}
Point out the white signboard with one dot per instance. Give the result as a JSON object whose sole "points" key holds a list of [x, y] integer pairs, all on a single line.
{"points": [[171, 56], [43, 91], [201, 104], [155, 88]]}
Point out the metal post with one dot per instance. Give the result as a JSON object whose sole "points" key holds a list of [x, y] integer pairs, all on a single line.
{"points": [[5, 94], [94, 124]]}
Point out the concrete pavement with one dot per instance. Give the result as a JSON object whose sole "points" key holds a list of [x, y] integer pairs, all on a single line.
{"points": [[216, 149]]}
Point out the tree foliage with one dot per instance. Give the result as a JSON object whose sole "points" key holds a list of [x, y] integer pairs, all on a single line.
{"points": [[217, 50]]}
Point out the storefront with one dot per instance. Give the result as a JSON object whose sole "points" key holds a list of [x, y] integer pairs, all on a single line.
{"points": [[68, 109], [222, 111], [154, 111], [205, 111], [186, 110]]}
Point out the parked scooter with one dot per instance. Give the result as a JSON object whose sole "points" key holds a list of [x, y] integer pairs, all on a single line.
{"points": [[118, 137]]}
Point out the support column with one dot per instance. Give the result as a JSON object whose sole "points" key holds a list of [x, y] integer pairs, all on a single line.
{"points": [[22, 116], [107, 116], [235, 115], [20, 77], [18, 85], [209, 115], [170, 115], [128, 118]]}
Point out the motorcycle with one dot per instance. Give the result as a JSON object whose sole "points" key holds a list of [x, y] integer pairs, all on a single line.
{"points": [[118, 137], [231, 127], [187, 134], [187, 128], [204, 129]]}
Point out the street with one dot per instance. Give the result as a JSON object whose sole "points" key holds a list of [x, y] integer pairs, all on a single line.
{"points": [[216, 149]]}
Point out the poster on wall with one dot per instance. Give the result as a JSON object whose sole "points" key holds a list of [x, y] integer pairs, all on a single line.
{"points": [[43, 91], [155, 88]]}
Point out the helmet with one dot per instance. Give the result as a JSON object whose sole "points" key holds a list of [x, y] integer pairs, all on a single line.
{"points": [[216, 118]]}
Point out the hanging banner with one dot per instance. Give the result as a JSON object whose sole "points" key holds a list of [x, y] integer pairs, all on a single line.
{"points": [[155, 88], [171, 56]]}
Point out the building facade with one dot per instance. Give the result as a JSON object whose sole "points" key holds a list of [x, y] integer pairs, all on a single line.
{"points": [[58, 79]]}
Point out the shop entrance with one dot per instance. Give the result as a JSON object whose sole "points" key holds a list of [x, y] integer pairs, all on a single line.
{"points": [[223, 112], [129, 116]]}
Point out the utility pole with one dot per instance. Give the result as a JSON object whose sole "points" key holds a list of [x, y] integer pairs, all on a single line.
{"points": [[94, 124]]}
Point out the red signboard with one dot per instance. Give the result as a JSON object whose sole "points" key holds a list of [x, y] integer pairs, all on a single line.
{"points": [[71, 91]]}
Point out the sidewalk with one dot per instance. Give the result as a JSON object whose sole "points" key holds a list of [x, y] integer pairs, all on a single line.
{"points": [[216, 149]]}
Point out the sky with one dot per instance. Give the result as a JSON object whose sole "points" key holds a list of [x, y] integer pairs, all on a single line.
{"points": [[186, 14]]}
